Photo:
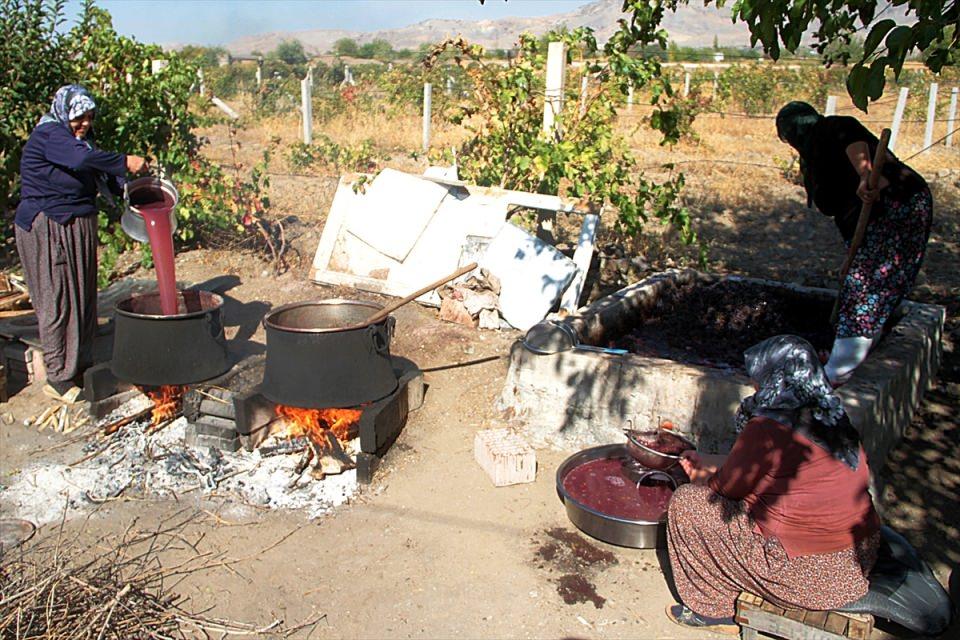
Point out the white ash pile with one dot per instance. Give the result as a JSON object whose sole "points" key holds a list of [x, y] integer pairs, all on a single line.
{"points": [[474, 302], [139, 461]]}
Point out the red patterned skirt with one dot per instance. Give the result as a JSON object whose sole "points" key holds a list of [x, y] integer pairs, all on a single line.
{"points": [[715, 554]]}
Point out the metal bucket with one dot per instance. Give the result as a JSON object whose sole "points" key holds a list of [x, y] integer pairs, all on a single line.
{"points": [[620, 531], [132, 220], [153, 349]]}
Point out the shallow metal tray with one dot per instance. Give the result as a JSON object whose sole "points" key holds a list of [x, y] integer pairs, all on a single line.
{"points": [[619, 531]]}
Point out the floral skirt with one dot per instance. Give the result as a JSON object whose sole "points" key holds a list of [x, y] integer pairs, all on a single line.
{"points": [[715, 554], [886, 265]]}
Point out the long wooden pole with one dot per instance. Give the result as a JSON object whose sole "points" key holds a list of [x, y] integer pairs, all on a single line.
{"points": [[879, 157], [383, 313]]}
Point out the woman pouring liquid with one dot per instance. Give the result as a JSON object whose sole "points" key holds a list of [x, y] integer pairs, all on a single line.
{"points": [[835, 159], [61, 172]]}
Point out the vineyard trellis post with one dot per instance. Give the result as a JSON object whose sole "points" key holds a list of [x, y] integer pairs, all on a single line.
{"points": [[630, 97], [931, 116], [716, 82], [951, 116], [259, 73], [831, 108], [584, 89], [553, 93], [898, 117], [201, 87], [427, 105], [306, 109], [686, 84]]}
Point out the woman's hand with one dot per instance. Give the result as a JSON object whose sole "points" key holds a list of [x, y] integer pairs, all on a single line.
{"points": [[137, 164], [692, 464]]}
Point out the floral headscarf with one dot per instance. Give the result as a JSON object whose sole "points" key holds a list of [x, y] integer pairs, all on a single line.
{"points": [[71, 101], [791, 380]]}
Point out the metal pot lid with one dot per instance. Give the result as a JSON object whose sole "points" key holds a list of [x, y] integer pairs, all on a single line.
{"points": [[321, 316]]}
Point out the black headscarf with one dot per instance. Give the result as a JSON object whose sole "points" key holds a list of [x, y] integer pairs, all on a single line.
{"points": [[795, 123], [794, 390]]}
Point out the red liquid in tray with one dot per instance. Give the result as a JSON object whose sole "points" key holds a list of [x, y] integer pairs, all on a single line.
{"points": [[602, 486], [154, 205]]}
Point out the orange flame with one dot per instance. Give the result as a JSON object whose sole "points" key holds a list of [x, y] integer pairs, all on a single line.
{"points": [[313, 423], [167, 402]]}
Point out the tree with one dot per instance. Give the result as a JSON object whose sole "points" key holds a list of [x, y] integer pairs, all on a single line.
{"points": [[378, 49], [346, 47], [934, 34], [290, 52]]}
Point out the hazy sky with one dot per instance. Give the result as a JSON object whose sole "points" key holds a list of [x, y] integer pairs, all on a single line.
{"points": [[212, 22]]}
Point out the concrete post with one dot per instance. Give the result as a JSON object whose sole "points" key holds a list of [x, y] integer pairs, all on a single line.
{"points": [[553, 93], [630, 97], [427, 106], [831, 109], [931, 116], [898, 117], [716, 82], [259, 72], [951, 116], [202, 87], [307, 109], [686, 84], [584, 88]]}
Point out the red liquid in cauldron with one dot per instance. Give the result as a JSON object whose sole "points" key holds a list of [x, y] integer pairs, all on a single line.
{"points": [[602, 486], [154, 205]]}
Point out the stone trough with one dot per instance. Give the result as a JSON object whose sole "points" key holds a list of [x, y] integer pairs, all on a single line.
{"points": [[586, 394]]}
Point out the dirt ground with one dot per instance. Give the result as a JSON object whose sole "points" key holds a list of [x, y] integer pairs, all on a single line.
{"points": [[432, 549]]}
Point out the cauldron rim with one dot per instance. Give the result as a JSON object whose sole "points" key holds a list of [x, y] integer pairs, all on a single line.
{"points": [[269, 323], [208, 295]]}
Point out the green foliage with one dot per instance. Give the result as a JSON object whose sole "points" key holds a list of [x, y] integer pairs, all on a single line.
{"points": [[377, 49], [205, 57], [346, 47], [289, 52], [761, 88], [584, 159], [33, 61], [326, 152], [933, 32]]}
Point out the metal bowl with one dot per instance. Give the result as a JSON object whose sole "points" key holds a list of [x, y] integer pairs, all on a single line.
{"points": [[651, 458], [637, 534]]}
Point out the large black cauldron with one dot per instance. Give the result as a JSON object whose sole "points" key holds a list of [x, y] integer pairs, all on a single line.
{"points": [[317, 356], [152, 349]]}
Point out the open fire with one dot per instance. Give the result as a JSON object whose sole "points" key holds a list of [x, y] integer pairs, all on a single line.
{"points": [[322, 434], [167, 403]]}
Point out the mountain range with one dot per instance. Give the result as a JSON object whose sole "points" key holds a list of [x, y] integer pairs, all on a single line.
{"points": [[691, 25]]}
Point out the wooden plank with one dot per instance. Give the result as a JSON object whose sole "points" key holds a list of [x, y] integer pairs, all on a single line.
{"points": [[771, 608], [816, 619], [781, 627], [836, 623], [859, 627], [794, 614]]}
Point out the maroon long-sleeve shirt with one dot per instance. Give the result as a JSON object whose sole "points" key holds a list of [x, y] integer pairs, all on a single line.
{"points": [[796, 491]]}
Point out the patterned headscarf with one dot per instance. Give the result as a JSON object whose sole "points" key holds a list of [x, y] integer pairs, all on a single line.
{"points": [[71, 101], [791, 381]]}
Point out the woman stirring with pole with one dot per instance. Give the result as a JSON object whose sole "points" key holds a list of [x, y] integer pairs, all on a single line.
{"points": [[835, 159], [61, 172]]}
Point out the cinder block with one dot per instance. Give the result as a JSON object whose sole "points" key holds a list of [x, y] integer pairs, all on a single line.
{"points": [[505, 456], [214, 426], [24, 361], [99, 383], [194, 439]]}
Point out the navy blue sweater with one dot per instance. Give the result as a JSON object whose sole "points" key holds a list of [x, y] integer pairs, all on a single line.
{"points": [[58, 175]]}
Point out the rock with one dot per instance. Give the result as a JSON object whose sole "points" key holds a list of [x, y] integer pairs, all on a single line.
{"points": [[489, 319], [454, 311], [475, 301]]}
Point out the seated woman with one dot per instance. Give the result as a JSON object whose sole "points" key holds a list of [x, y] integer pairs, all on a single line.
{"points": [[786, 515]]}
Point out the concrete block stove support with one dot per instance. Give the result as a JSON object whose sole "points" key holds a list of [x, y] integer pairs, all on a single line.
{"points": [[578, 398]]}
